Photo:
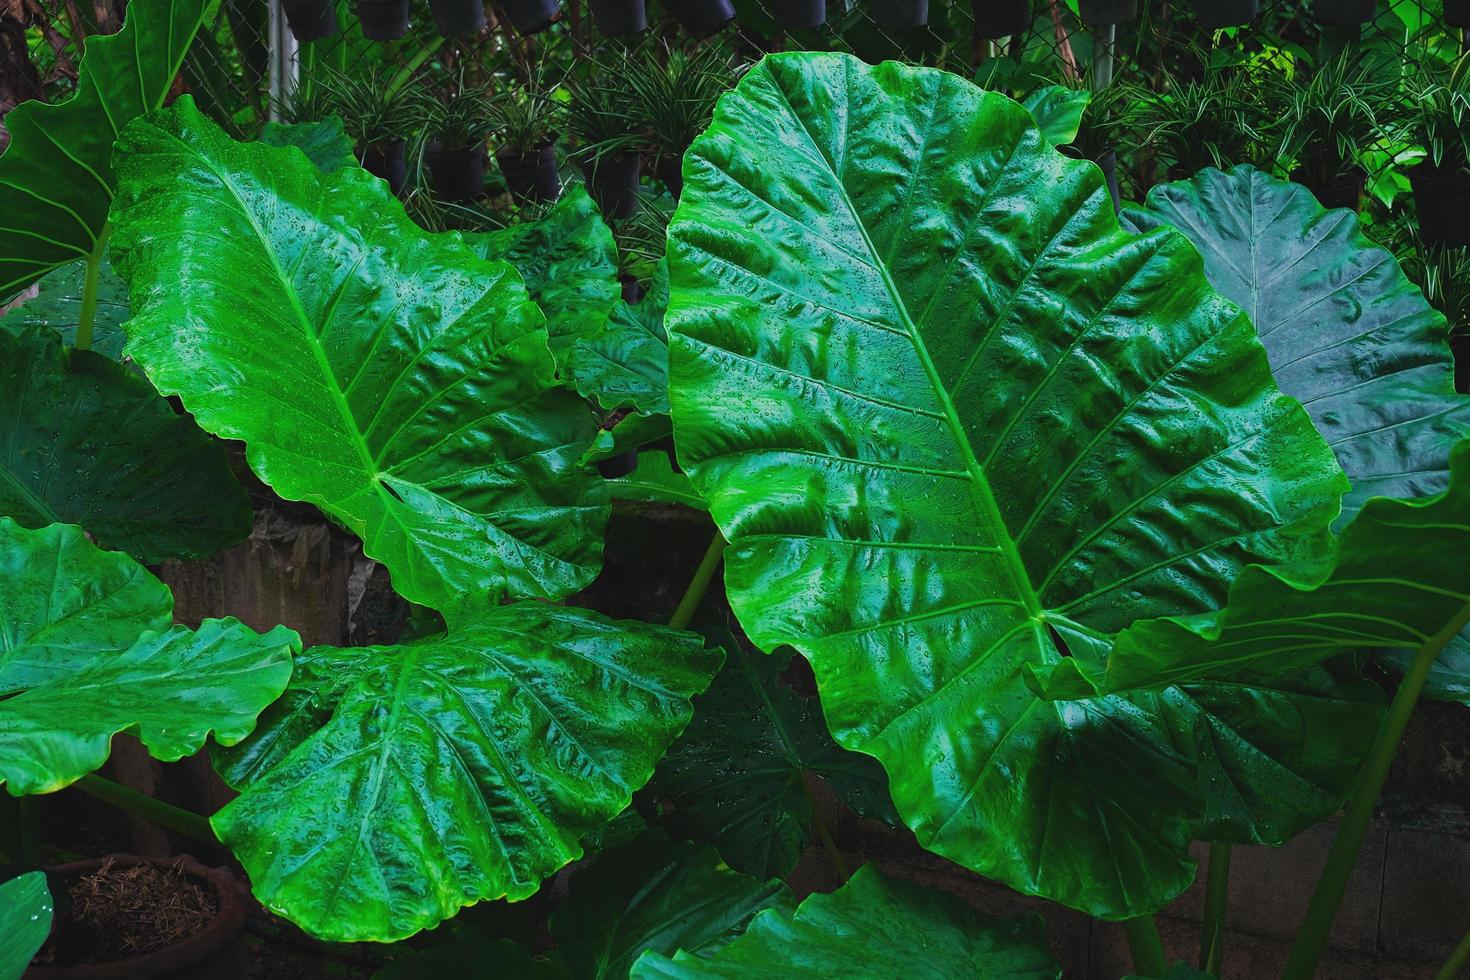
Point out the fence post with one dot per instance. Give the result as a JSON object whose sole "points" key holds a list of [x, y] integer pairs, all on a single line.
{"points": [[283, 61]]}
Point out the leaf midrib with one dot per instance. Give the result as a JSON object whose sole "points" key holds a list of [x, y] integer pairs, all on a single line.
{"points": [[979, 486]]}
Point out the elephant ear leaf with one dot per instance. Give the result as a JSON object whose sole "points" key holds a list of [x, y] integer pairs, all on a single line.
{"points": [[953, 422], [570, 264], [626, 364], [172, 687], [324, 141], [1396, 580], [1347, 333], [25, 921], [65, 600], [56, 177], [737, 776], [394, 785], [870, 927], [91, 443], [58, 304], [1058, 111], [386, 375]]}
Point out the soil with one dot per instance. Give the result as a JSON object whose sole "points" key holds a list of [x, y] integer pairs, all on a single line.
{"points": [[117, 913]]}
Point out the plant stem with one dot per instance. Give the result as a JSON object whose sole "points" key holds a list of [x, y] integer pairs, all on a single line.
{"points": [[88, 312], [694, 595], [1217, 900], [1145, 946], [1458, 958], [1311, 939], [166, 815], [824, 834]]}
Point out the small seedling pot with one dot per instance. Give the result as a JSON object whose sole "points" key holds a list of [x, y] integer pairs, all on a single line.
{"points": [[1457, 13], [530, 16], [531, 176], [799, 14], [620, 465], [312, 20], [613, 182], [458, 18], [383, 20], [1344, 192], [1343, 11], [457, 173], [1216, 14], [231, 913], [1001, 18], [385, 159], [901, 14], [701, 18], [619, 18], [1443, 202], [1100, 13]]}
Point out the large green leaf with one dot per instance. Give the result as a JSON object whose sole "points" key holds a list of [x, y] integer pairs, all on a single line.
{"points": [[384, 374], [64, 602], [25, 922], [626, 364], [56, 178], [954, 422], [58, 305], [393, 785], [570, 264], [172, 689], [1397, 579], [1347, 333], [324, 142], [654, 894], [654, 480], [88, 442], [871, 927], [737, 776], [1058, 111]]}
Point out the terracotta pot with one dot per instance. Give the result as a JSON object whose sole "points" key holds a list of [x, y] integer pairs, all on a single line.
{"points": [[232, 911]]}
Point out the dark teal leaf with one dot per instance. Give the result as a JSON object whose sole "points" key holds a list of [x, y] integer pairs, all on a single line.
{"points": [[25, 922], [58, 305], [324, 142]]}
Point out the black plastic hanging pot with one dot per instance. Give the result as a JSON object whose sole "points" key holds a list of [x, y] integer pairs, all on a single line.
{"points": [[1216, 14], [800, 14], [901, 13], [530, 16], [1344, 11], [458, 173], [1443, 202], [385, 159], [1100, 13], [619, 18], [531, 176], [631, 287], [1457, 13], [383, 20], [669, 169], [613, 182], [312, 20], [1345, 191], [701, 18], [458, 18], [1001, 18]]}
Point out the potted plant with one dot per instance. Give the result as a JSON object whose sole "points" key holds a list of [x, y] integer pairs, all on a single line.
{"points": [[1001, 18], [523, 124], [530, 16], [619, 18], [383, 20], [1457, 13], [901, 14], [379, 116], [135, 917], [1439, 114], [1216, 14], [1108, 122], [802, 14], [455, 130], [458, 18], [608, 138], [1344, 12], [311, 20], [1216, 120], [1099, 13], [1328, 122], [674, 95], [701, 18]]}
